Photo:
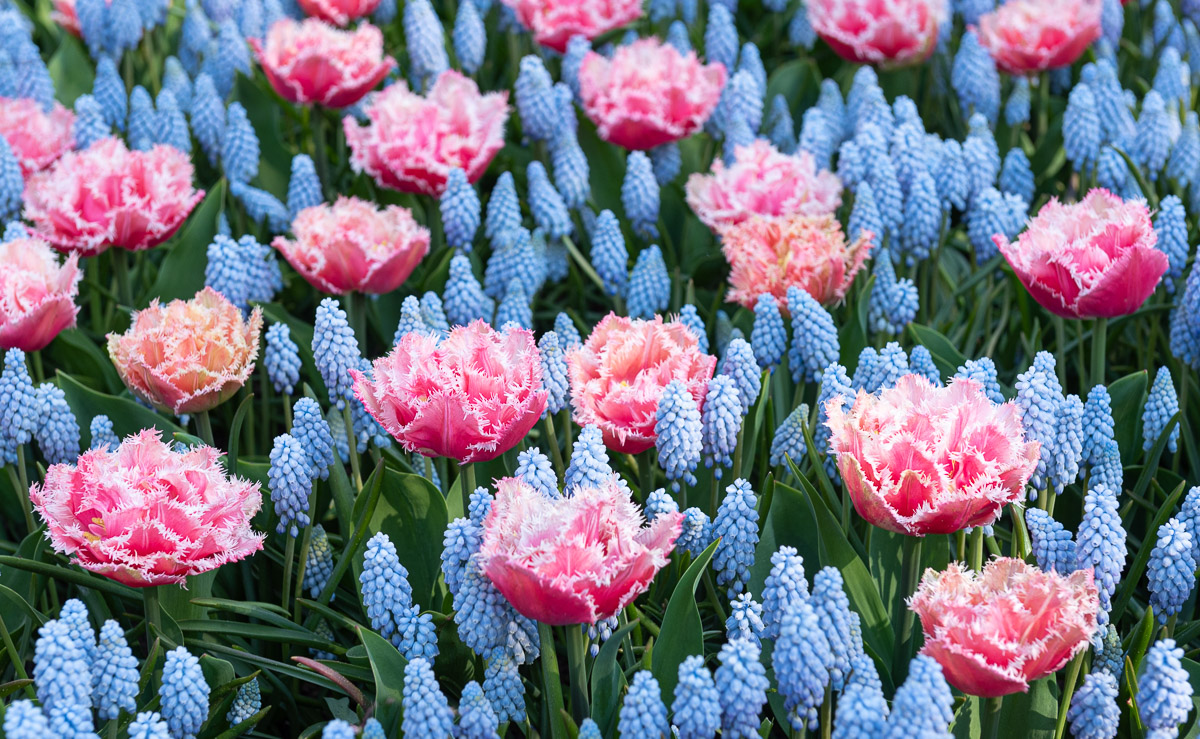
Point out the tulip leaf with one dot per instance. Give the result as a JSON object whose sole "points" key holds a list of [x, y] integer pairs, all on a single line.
{"points": [[946, 357], [1128, 395], [682, 632], [413, 514], [80, 356], [127, 416], [968, 720], [387, 665], [607, 681], [71, 70], [1032, 714], [181, 274]]}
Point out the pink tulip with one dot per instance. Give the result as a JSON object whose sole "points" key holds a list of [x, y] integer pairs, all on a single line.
{"points": [[884, 32], [64, 15], [620, 372], [648, 94], [144, 515], [339, 12], [189, 355], [919, 459], [108, 196], [37, 138], [471, 397], [352, 247], [769, 255], [554, 22], [1031, 36], [996, 631], [762, 181], [37, 294], [311, 62], [575, 559], [1091, 259], [411, 142]]}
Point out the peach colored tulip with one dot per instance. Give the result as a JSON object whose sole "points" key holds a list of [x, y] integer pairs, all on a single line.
{"points": [[143, 514], [769, 255], [648, 94], [618, 375], [920, 459], [1092, 259], [339, 12], [108, 196], [471, 397], [37, 138], [411, 142], [996, 631], [762, 181], [1031, 36], [37, 294], [351, 246], [311, 62], [883, 32], [189, 355], [574, 559], [554, 22]]}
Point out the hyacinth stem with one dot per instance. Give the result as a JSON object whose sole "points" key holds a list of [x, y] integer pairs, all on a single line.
{"points": [[552, 442], [1068, 691], [737, 452], [827, 714], [287, 411], [577, 667], [204, 428], [585, 266], [11, 650], [912, 574], [153, 612], [356, 308], [352, 448], [1060, 341], [305, 546], [120, 264], [551, 682], [467, 485], [1169, 626], [1099, 349], [22, 494], [991, 718], [289, 558], [977, 549], [566, 423]]}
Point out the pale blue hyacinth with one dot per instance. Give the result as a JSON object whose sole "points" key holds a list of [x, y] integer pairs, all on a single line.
{"points": [[1097, 424], [504, 690], [384, 585], [244, 271], [426, 712], [1164, 697], [1039, 397], [589, 460], [149, 725], [246, 703], [476, 719], [610, 258], [721, 420], [1052, 544], [1067, 452], [318, 567], [1170, 226], [183, 694], [554, 372], [785, 587], [737, 527], [742, 684], [814, 337], [678, 431], [114, 674], [547, 205], [640, 195], [290, 481], [1171, 570], [740, 364], [696, 707], [515, 306], [1100, 543], [304, 187], [18, 405], [535, 100], [535, 469], [571, 170], [102, 434], [832, 606], [983, 371], [643, 713], [24, 720], [975, 79], [801, 660], [768, 338], [745, 619], [720, 37], [1152, 143], [649, 284], [464, 298], [57, 432], [696, 534], [338, 729], [335, 351], [922, 704], [1161, 404], [861, 710], [282, 359], [423, 37], [239, 147], [469, 38], [89, 125], [1081, 128], [207, 117], [788, 442], [689, 316], [1094, 713], [171, 126]]}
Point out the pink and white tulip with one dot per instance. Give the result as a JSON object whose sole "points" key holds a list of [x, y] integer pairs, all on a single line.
{"points": [[187, 356], [554, 22], [351, 246], [1030, 36], [37, 138], [37, 294], [144, 515], [1092, 259], [648, 94], [618, 376], [884, 32], [919, 459], [339, 12], [575, 559], [310, 62], [411, 142], [471, 397], [996, 631], [109, 196]]}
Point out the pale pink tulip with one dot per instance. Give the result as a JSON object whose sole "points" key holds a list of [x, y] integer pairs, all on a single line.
{"points": [[769, 255], [648, 94], [996, 631], [920, 459], [64, 15], [618, 376], [311, 62], [574, 559], [884, 32], [189, 355], [762, 181], [554, 22], [37, 138], [471, 397], [339, 12], [351, 246], [143, 514], [37, 294], [1031, 36], [1091, 259], [411, 142], [108, 196]]}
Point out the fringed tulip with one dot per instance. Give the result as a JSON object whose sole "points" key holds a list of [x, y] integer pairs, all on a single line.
{"points": [[38, 138], [620, 372], [575, 559], [411, 142], [187, 356], [351, 246], [37, 294], [311, 62], [1031, 36], [919, 459], [108, 196], [339, 12], [471, 396], [884, 32], [648, 94], [996, 631], [144, 515], [1092, 259], [554, 22]]}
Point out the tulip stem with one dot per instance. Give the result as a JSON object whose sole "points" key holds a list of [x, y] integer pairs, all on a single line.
{"points": [[204, 429], [11, 650], [1099, 349], [352, 448], [912, 574], [577, 665], [552, 442], [977, 549], [120, 264], [551, 682], [991, 718], [153, 613], [467, 483], [1068, 691], [1020, 534]]}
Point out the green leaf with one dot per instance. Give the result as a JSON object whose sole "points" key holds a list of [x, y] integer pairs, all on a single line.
{"points": [[7, 689], [413, 514], [607, 681], [72, 575], [1133, 573], [682, 633], [127, 416], [73, 352], [71, 70], [262, 109], [295, 635], [1033, 714], [182, 272], [1128, 396], [387, 665], [945, 355], [968, 719]]}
